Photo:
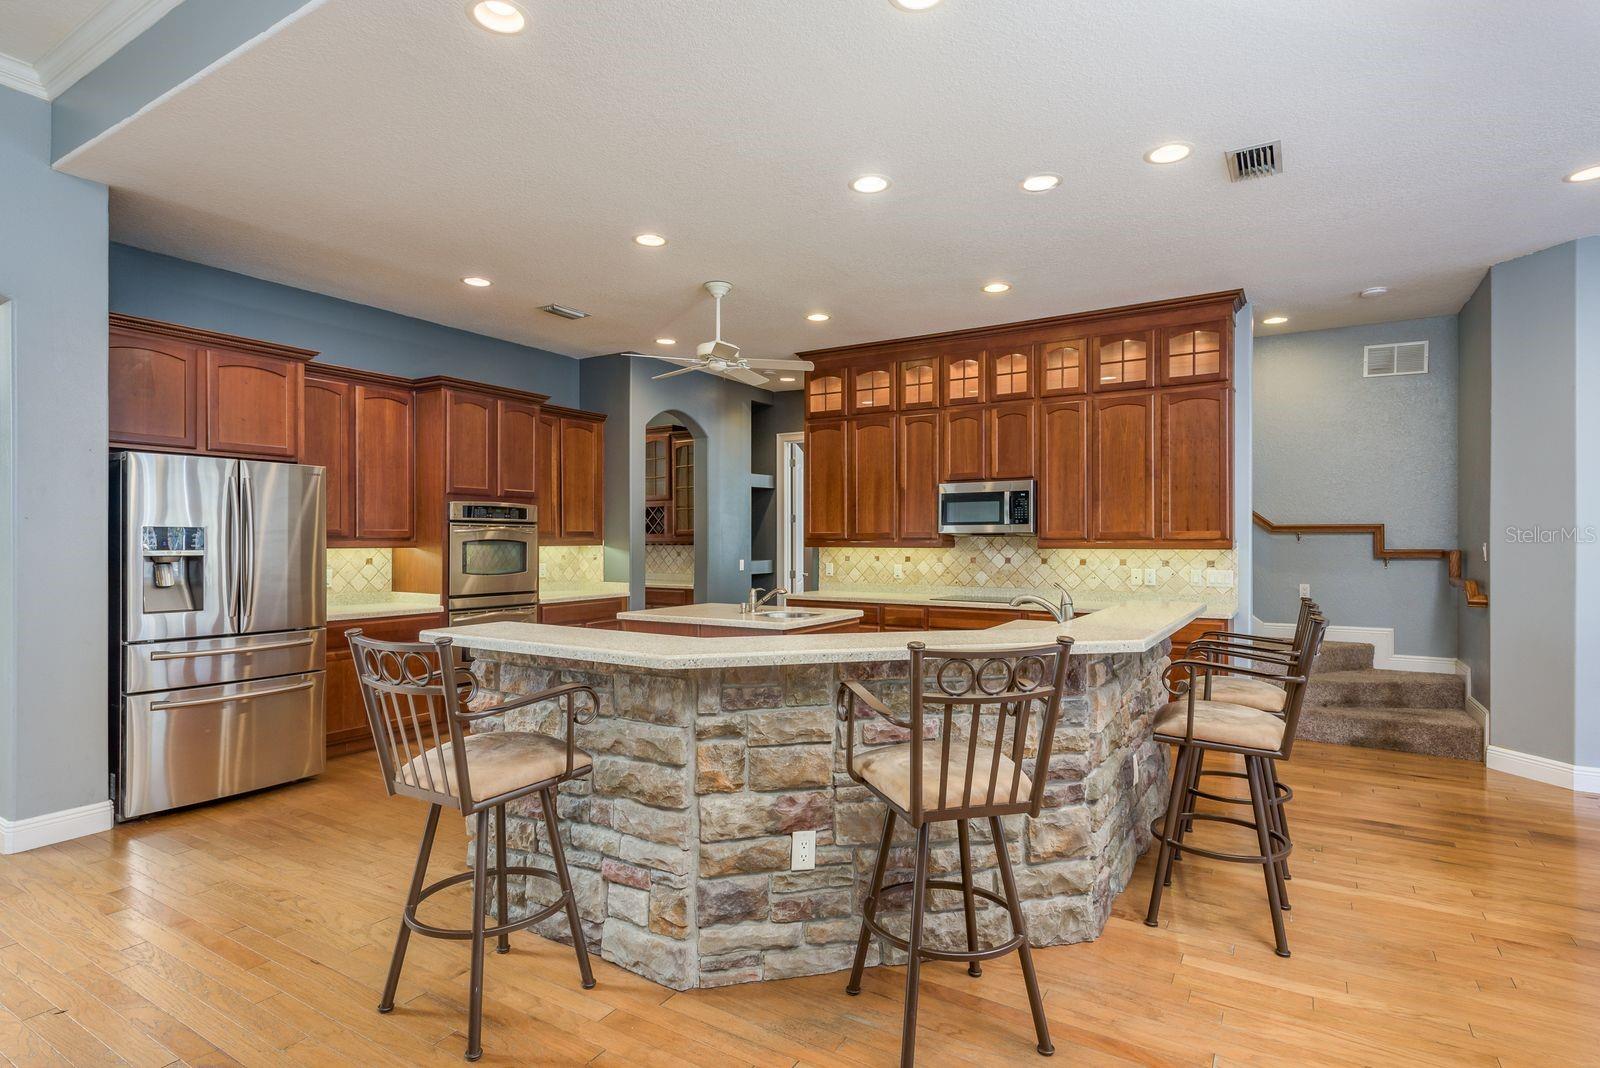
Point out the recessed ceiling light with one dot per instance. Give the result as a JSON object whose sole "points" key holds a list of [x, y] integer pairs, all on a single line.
{"points": [[650, 240], [1588, 174], [1040, 183], [997, 287], [914, 5], [786, 378], [476, 282], [1275, 320], [1374, 291], [1168, 153], [499, 16], [666, 341], [870, 183], [819, 317]]}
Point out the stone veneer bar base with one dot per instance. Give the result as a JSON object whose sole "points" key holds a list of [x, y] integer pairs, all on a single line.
{"points": [[680, 839]]}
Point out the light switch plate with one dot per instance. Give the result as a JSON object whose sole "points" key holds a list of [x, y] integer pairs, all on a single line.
{"points": [[1197, 577], [802, 850], [542, 569], [1150, 576], [1305, 589], [741, 563], [1219, 578], [827, 569], [899, 571]]}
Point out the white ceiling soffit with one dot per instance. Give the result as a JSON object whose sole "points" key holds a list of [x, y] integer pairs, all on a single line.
{"points": [[47, 45], [382, 152]]}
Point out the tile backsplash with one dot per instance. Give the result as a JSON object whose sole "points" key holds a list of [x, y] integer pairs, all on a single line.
{"points": [[669, 563], [360, 571], [1019, 563], [566, 564]]}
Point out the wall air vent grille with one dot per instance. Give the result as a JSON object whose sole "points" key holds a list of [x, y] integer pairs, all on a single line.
{"points": [[1401, 358], [564, 311], [1257, 161]]}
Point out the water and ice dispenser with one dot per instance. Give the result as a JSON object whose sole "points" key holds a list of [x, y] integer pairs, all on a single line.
{"points": [[174, 568]]}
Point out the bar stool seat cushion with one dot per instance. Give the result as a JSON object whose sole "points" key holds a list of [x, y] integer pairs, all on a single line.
{"points": [[1247, 691], [497, 763], [1221, 724], [888, 771]]}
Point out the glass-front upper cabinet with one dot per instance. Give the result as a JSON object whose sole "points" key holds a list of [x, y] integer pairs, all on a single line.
{"points": [[963, 376], [1011, 373], [1194, 353], [1124, 361], [871, 389], [825, 395], [919, 383], [655, 467], [1062, 365]]}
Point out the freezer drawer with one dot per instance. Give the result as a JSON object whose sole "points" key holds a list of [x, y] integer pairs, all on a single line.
{"points": [[215, 661], [186, 746]]}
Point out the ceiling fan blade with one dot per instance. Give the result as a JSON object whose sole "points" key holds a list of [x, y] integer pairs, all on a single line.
{"points": [[696, 361], [780, 365], [749, 378], [679, 371]]}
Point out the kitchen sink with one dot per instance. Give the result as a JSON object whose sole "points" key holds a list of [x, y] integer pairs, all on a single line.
{"points": [[785, 613]]}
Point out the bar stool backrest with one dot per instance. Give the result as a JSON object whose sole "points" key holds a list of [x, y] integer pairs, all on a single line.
{"points": [[413, 700], [1306, 647], [1015, 691]]}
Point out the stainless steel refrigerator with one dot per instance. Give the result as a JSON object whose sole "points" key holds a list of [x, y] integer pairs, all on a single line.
{"points": [[220, 634]]}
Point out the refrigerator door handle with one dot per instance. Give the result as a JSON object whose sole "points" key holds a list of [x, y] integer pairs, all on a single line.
{"points": [[231, 650], [202, 702], [247, 594], [230, 551]]}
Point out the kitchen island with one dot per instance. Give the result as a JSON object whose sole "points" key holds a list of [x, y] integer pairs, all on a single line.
{"points": [[709, 752], [735, 620]]}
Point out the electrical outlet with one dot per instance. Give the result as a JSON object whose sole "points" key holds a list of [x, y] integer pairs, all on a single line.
{"points": [[1305, 589], [1197, 577], [802, 850], [827, 569], [1135, 577], [899, 571], [1150, 576], [543, 570], [1219, 578]]}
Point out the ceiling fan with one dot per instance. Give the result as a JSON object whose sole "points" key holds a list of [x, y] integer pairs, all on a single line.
{"points": [[721, 358]]}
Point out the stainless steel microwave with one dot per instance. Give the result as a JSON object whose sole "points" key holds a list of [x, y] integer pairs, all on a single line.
{"points": [[987, 507]]}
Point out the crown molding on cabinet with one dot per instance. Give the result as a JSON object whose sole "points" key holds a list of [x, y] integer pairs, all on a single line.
{"points": [[95, 40]]}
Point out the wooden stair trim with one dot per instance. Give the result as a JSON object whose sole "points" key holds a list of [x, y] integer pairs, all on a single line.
{"points": [[1474, 593]]}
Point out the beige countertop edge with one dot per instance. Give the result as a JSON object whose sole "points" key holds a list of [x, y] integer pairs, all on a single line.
{"points": [[586, 593], [1088, 602], [380, 610], [1120, 629], [729, 615]]}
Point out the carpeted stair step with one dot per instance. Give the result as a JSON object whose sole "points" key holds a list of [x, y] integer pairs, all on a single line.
{"points": [[1342, 656], [1446, 732], [1391, 689]]}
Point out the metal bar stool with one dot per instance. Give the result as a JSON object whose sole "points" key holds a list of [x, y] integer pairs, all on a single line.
{"points": [[993, 698], [415, 698], [1196, 726]]}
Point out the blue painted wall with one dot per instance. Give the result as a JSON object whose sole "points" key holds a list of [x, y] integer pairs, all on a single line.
{"points": [[1333, 447], [53, 474], [1473, 481], [345, 333]]}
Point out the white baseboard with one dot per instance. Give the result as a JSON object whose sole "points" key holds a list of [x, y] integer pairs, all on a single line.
{"points": [[1542, 769], [19, 836], [1382, 641]]}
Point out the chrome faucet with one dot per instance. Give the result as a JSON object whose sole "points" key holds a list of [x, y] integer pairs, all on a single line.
{"points": [[1061, 611], [759, 598]]}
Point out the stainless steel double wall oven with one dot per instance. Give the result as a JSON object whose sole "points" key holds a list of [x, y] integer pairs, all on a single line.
{"points": [[493, 562]]}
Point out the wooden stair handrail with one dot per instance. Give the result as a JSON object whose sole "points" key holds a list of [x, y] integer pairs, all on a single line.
{"points": [[1475, 596]]}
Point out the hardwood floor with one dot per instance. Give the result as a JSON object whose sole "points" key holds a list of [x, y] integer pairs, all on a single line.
{"points": [[1443, 915]]}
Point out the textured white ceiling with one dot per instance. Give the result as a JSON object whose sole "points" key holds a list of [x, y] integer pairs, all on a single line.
{"points": [[381, 152], [29, 29]]}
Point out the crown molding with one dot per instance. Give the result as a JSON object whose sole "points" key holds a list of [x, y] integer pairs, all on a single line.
{"points": [[15, 74], [96, 39]]}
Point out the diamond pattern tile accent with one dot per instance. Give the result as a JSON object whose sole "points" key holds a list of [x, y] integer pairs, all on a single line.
{"points": [[572, 563], [360, 571], [669, 563]]}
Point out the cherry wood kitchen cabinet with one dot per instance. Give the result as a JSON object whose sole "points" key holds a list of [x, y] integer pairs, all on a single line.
{"points": [[1122, 484], [328, 441], [1124, 360], [598, 613], [963, 444], [177, 388], [516, 436], [471, 444], [917, 488], [667, 597], [871, 461], [1063, 506], [582, 442], [963, 371], [827, 483], [1195, 352], [346, 727], [1011, 373], [1013, 431], [682, 521], [1195, 465]]}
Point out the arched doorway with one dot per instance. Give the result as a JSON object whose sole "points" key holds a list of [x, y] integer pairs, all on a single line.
{"points": [[673, 505]]}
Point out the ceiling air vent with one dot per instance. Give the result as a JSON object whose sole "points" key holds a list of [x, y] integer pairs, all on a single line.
{"points": [[564, 311], [1401, 358], [1257, 161]]}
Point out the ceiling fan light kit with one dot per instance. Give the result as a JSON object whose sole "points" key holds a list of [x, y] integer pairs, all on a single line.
{"points": [[721, 358]]}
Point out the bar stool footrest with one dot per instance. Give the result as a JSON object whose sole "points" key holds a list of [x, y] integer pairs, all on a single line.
{"points": [[1282, 847], [870, 916], [465, 934], [1281, 795]]}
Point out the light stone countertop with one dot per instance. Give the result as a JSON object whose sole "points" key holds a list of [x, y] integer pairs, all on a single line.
{"points": [[343, 607], [731, 615], [557, 593], [1220, 604], [1127, 628], [673, 583]]}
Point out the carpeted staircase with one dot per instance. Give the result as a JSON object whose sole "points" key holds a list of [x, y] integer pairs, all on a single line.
{"points": [[1352, 703]]}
